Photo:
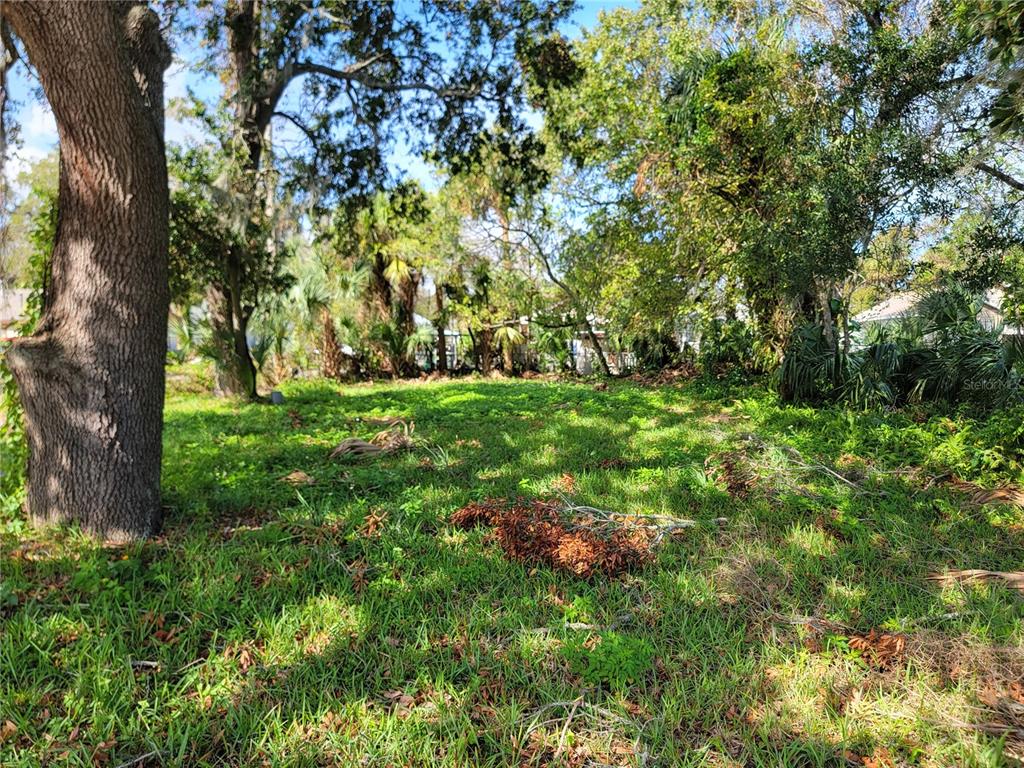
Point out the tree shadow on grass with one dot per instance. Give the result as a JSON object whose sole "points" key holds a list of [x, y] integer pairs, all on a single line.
{"points": [[345, 621]]}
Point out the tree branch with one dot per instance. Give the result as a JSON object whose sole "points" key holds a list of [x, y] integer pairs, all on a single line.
{"points": [[1000, 175], [298, 124], [355, 73]]}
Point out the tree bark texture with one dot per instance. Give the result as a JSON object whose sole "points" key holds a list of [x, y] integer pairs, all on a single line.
{"points": [[236, 371], [334, 360], [229, 320], [91, 377], [485, 349], [405, 317], [507, 361]]}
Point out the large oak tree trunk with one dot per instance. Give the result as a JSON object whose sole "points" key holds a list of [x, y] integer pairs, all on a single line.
{"points": [[91, 378]]}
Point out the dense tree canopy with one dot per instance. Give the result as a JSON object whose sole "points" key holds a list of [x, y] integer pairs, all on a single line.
{"points": [[385, 189]]}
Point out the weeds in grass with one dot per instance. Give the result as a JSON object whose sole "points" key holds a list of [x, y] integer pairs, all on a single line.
{"points": [[610, 658]]}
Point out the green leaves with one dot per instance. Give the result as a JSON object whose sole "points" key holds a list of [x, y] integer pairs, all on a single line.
{"points": [[610, 658]]}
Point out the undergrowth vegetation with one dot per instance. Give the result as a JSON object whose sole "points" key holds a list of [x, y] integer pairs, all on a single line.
{"points": [[940, 351], [303, 610]]}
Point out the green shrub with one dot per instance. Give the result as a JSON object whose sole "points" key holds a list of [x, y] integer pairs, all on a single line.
{"points": [[941, 353], [728, 344], [615, 660]]}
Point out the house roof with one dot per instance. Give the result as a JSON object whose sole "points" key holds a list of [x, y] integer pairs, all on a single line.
{"points": [[902, 304], [893, 308]]}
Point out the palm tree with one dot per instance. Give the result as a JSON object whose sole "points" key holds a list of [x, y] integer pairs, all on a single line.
{"points": [[184, 331], [314, 300], [507, 338]]}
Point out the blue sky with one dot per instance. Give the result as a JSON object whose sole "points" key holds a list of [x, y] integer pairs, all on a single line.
{"points": [[39, 133]]}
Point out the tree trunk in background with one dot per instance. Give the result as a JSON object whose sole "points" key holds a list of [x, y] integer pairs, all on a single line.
{"points": [[486, 335], [598, 349], [380, 290], [439, 327], [334, 361], [405, 317], [236, 371], [91, 377], [8, 56]]}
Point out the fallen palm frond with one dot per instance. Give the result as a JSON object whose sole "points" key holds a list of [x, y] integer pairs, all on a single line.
{"points": [[397, 437], [1007, 494], [579, 539], [353, 446], [1012, 579], [658, 526], [298, 477]]}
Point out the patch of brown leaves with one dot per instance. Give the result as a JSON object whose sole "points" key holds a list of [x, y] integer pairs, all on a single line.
{"points": [[477, 513], [879, 758], [729, 469], [660, 378], [880, 649], [536, 532], [373, 524], [565, 483]]}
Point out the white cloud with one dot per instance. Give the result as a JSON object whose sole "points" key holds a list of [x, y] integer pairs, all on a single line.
{"points": [[38, 128]]}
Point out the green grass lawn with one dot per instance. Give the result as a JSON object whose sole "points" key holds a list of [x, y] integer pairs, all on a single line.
{"points": [[345, 622]]}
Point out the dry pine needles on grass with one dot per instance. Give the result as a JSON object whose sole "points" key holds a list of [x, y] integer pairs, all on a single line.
{"points": [[583, 541], [535, 532]]}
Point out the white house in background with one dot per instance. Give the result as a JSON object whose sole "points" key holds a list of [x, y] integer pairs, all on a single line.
{"points": [[12, 310], [901, 305]]}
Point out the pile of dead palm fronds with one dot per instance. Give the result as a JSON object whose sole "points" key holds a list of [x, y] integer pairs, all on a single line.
{"points": [[980, 496], [579, 539], [397, 436]]}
